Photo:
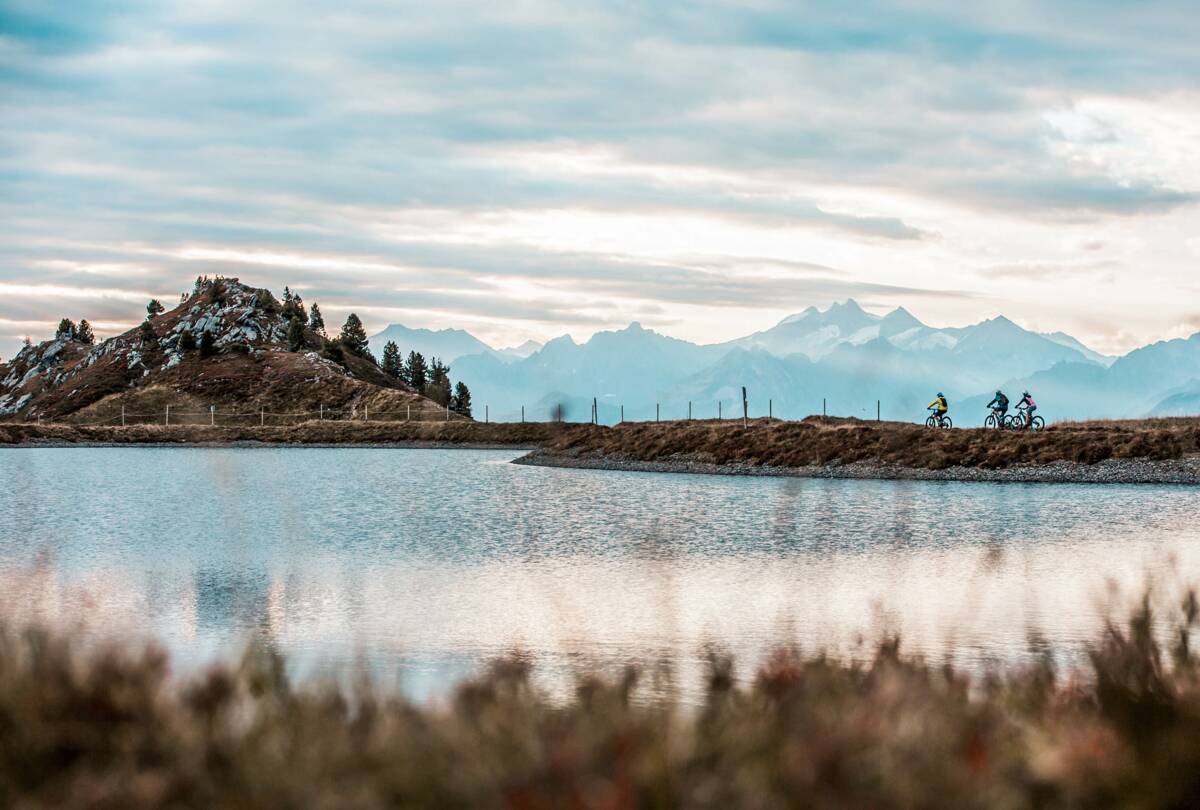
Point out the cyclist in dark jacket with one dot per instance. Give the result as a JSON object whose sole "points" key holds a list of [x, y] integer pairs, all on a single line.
{"points": [[999, 404]]}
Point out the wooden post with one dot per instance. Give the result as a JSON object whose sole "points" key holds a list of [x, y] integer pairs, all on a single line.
{"points": [[824, 413], [745, 408], [122, 416], [719, 410], [262, 417], [689, 411], [657, 414], [770, 409], [366, 413], [878, 411], [622, 414], [212, 415], [168, 423], [486, 414], [408, 412], [522, 414], [322, 411]]}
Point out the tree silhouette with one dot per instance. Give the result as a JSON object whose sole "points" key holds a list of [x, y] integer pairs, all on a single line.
{"points": [[154, 308], [354, 336]]}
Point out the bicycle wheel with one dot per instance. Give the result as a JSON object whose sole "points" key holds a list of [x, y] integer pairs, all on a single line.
{"points": [[1010, 422], [1039, 423], [946, 423], [931, 422], [990, 422]]}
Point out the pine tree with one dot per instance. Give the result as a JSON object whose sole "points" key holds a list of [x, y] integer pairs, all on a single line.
{"points": [[295, 334], [416, 371], [217, 291], [439, 373], [66, 329], [147, 333], [392, 364], [354, 336], [187, 342], [207, 345], [83, 333], [154, 309], [315, 321], [461, 402]]}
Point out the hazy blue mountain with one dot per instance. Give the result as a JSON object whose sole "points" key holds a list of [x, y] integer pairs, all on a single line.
{"points": [[522, 351], [1182, 401], [843, 357], [446, 344]]}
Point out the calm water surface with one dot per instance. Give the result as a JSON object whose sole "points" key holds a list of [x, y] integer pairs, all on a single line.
{"points": [[423, 563]]}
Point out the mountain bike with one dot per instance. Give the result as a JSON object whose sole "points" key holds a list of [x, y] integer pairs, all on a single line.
{"points": [[934, 422], [1021, 420], [996, 419]]}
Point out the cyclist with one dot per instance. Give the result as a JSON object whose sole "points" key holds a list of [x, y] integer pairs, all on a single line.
{"points": [[1028, 406], [999, 406], [939, 406]]}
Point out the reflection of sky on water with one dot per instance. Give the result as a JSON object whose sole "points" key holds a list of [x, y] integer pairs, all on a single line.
{"points": [[426, 562]]}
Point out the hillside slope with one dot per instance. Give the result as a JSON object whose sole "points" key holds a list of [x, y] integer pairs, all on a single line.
{"points": [[250, 369]]}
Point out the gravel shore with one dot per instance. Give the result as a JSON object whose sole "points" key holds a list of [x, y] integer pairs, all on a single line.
{"points": [[1114, 471]]}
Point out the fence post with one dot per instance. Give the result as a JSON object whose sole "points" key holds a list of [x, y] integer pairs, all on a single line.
{"points": [[718, 410], [689, 411], [366, 413], [657, 415], [168, 422], [322, 411], [487, 417], [745, 408], [622, 414], [770, 409], [522, 414], [878, 411], [262, 417], [212, 415], [824, 413], [408, 412], [448, 412], [122, 416]]}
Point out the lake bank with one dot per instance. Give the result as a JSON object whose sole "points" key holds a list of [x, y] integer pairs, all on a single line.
{"points": [[474, 435], [1113, 471], [1152, 451]]}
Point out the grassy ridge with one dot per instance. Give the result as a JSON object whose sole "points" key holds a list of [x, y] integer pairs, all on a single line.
{"points": [[110, 728], [819, 441]]}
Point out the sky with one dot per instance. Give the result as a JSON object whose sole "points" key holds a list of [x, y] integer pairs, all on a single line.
{"points": [[530, 168]]}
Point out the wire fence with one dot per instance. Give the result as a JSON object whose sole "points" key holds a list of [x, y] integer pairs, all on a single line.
{"points": [[598, 412]]}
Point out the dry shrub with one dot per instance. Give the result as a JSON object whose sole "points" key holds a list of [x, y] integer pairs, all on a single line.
{"points": [[109, 728]]}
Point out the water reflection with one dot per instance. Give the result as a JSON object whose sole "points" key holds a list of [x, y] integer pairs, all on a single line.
{"points": [[430, 561]]}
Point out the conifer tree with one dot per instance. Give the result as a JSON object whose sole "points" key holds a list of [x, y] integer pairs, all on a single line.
{"points": [[392, 364], [154, 308], [415, 370], [296, 334], [66, 329], [187, 342], [207, 345], [315, 321], [460, 403], [147, 333], [83, 333], [354, 336]]}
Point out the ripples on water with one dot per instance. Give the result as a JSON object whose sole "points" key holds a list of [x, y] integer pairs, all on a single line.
{"points": [[425, 562]]}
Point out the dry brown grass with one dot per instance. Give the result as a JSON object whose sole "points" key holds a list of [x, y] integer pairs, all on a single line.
{"points": [[110, 728], [457, 432], [821, 441]]}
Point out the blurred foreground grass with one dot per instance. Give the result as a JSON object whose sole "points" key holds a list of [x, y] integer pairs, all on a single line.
{"points": [[82, 727]]}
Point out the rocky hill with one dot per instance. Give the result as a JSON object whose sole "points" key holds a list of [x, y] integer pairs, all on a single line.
{"points": [[226, 346]]}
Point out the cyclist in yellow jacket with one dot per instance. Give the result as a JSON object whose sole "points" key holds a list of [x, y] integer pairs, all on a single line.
{"points": [[939, 406]]}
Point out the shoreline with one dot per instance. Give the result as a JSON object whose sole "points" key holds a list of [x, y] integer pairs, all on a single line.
{"points": [[254, 444], [1183, 472]]}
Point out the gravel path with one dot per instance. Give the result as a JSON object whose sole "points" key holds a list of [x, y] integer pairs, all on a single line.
{"points": [[1113, 471]]}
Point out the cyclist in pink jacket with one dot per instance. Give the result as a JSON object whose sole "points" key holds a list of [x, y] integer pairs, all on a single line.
{"points": [[1029, 406]]}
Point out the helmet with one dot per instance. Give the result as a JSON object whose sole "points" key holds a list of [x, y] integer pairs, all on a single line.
{"points": [[1025, 394], [940, 394], [999, 393]]}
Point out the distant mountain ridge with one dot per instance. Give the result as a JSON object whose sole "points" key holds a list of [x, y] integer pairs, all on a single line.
{"points": [[843, 358]]}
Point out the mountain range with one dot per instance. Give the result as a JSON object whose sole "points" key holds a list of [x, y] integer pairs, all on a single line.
{"points": [[843, 360]]}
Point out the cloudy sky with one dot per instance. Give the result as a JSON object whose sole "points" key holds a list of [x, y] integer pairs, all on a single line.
{"points": [[529, 168]]}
